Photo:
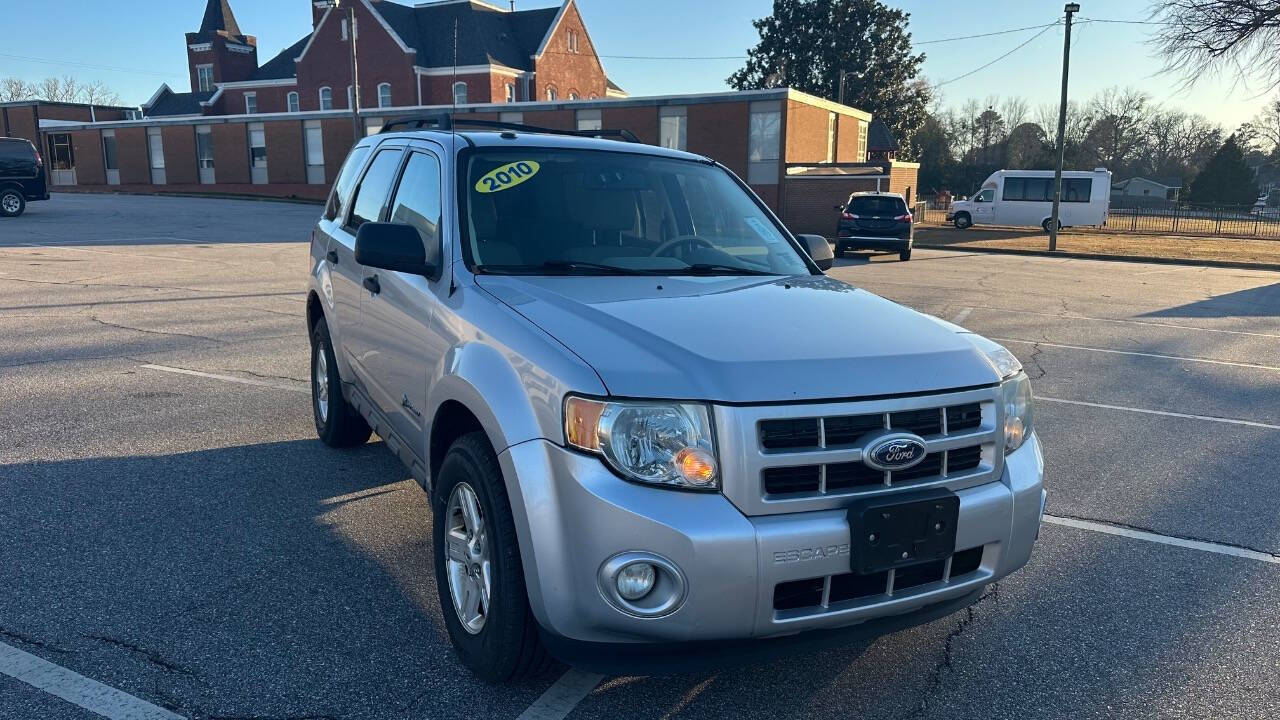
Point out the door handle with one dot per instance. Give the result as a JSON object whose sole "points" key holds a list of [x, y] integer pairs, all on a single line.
{"points": [[372, 285], [332, 257]]}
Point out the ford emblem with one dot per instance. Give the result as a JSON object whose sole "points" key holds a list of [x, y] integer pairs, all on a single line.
{"points": [[894, 452]]}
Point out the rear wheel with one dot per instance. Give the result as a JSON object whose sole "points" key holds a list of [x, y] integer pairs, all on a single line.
{"points": [[962, 221], [1048, 224], [478, 572], [905, 255], [839, 250], [12, 203], [337, 423]]}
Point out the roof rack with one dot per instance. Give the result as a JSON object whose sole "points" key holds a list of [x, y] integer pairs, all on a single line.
{"points": [[446, 121]]}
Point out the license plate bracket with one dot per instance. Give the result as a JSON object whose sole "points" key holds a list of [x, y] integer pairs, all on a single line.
{"points": [[893, 531]]}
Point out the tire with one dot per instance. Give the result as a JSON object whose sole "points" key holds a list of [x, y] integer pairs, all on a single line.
{"points": [[905, 255], [962, 221], [497, 640], [838, 251], [12, 203], [1048, 223], [337, 422]]}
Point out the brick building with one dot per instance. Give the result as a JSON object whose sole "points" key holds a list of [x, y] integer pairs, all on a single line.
{"points": [[437, 53]]}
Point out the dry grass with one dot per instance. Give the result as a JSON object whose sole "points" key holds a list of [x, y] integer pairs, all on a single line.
{"points": [[1184, 247]]}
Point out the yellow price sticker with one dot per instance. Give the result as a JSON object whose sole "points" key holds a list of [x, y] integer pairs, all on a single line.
{"points": [[507, 176]]}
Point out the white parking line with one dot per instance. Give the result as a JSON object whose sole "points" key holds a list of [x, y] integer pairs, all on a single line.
{"points": [[77, 689], [1128, 321], [1041, 343], [962, 315], [1145, 536], [562, 697], [230, 378], [1165, 413]]}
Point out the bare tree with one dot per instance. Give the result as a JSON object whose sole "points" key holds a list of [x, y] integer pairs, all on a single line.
{"points": [[13, 89], [1263, 131], [97, 93], [1015, 111], [1200, 38], [1119, 118], [53, 89]]}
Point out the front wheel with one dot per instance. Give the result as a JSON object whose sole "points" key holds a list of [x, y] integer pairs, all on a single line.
{"points": [[962, 221], [479, 576], [12, 203], [905, 255]]}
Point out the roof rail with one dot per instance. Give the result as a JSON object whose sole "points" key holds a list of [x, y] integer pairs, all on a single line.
{"points": [[445, 121]]}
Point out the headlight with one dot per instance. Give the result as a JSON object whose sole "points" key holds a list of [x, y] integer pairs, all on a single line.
{"points": [[657, 443], [1015, 392]]}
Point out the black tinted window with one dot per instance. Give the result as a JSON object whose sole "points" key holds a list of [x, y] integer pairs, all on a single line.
{"points": [[16, 151], [373, 190], [877, 206], [1076, 189], [346, 179], [417, 201], [1028, 189]]}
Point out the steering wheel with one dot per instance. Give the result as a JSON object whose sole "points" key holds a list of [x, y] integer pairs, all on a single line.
{"points": [[691, 239]]}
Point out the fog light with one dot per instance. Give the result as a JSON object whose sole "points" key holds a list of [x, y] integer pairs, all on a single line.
{"points": [[636, 580]]}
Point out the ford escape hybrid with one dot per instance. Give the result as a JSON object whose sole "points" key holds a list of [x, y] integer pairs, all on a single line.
{"points": [[642, 413]]}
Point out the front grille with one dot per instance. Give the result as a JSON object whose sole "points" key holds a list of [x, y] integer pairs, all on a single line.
{"points": [[805, 597], [789, 434]]}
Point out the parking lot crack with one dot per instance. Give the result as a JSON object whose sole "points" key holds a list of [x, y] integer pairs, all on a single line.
{"points": [[150, 656], [265, 376], [946, 664], [100, 321], [25, 639], [1034, 361]]}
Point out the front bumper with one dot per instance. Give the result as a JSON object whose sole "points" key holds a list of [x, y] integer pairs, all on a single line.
{"points": [[573, 514]]}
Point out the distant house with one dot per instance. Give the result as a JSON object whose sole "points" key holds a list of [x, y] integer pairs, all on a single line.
{"points": [[1166, 188]]}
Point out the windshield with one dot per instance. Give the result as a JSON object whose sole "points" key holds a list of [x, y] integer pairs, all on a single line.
{"points": [[556, 212]]}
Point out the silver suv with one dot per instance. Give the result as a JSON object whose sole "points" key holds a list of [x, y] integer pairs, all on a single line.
{"points": [[643, 415]]}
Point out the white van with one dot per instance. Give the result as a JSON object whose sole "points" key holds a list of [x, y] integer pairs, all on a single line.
{"points": [[1025, 197]]}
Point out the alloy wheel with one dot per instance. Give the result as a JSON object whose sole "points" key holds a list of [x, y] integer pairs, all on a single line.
{"points": [[467, 558]]}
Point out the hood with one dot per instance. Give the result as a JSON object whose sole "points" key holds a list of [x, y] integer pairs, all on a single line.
{"points": [[744, 339]]}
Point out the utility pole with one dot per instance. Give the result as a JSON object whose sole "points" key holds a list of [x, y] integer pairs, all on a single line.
{"points": [[355, 72], [841, 93], [1071, 9]]}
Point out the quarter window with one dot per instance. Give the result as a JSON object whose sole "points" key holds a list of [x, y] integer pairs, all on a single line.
{"points": [[417, 202], [373, 190]]}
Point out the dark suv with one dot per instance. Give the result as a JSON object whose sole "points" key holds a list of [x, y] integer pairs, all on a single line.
{"points": [[21, 176], [877, 221]]}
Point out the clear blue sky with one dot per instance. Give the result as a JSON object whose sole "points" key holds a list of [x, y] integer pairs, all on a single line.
{"points": [[145, 39]]}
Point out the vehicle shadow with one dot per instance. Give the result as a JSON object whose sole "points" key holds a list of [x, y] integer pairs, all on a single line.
{"points": [[1261, 301]]}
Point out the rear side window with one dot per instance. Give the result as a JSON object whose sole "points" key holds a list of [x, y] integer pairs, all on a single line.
{"points": [[10, 150], [346, 181], [872, 205], [374, 189]]}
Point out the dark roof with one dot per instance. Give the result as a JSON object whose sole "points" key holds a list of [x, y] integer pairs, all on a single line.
{"points": [[614, 86], [171, 103], [218, 20], [485, 34], [282, 66], [880, 138]]}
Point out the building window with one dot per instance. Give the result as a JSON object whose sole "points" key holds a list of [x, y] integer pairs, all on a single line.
{"points": [[351, 101], [573, 95], [109, 150], [384, 95], [831, 137], [326, 98], [60, 155], [251, 103], [673, 128], [344, 30], [515, 118], [156, 144], [459, 93], [511, 92], [294, 104], [590, 120], [862, 140], [572, 41], [552, 95], [204, 147], [257, 146], [314, 140], [764, 142], [204, 78]]}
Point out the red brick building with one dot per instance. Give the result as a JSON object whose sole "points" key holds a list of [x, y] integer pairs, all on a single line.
{"points": [[408, 57]]}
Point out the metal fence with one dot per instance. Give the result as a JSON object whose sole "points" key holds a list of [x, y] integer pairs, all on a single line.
{"points": [[1200, 220]]}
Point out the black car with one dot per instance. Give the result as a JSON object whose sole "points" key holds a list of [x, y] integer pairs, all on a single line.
{"points": [[21, 176], [877, 221]]}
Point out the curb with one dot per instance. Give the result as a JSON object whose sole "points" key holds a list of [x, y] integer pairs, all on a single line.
{"points": [[206, 196], [1103, 256]]}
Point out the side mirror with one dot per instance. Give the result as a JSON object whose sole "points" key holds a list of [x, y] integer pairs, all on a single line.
{"points": [[392, 246], [838, 208], [819, 249]]}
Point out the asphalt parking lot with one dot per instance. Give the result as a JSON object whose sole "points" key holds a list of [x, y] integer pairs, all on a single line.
{"points": [[171, 528]]}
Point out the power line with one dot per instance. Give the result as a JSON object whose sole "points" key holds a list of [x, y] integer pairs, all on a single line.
{"points": [[990, 34], [86, 65], [975, 71]]}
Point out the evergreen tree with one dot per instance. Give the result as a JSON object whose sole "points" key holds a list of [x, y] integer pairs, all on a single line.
{"points": [[806, 44], [1226, 179]]}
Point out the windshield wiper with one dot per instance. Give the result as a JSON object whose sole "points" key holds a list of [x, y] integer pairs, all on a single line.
{"points": [[722, 269], [561, 266]]}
